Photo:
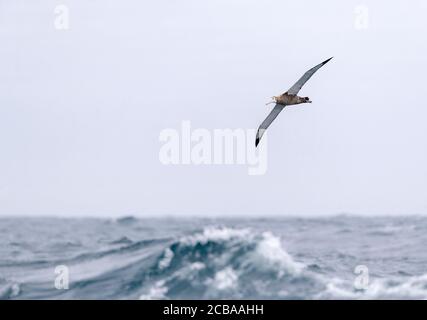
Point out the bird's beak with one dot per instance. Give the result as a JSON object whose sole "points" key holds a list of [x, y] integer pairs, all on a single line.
{"points": [[309, 101], [273, 100]]}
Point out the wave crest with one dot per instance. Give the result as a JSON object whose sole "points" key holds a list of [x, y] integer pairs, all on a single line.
{"points": [[224, 262]]}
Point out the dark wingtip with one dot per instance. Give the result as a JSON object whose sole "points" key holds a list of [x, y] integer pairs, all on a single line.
{"points": [[256, 142], [326, 61]]}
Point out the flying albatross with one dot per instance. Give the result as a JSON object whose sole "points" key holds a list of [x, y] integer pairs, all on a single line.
{"points": [[288, 98]]}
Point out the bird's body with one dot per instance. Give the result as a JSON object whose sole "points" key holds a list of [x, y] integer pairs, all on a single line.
{"points": [[290, 97]]}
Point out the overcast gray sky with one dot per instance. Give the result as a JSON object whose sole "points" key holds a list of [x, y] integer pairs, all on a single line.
{"points": [[81, 109]]}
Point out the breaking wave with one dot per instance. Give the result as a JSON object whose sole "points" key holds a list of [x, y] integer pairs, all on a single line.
{"points": [[226, 263], [213, 263]]}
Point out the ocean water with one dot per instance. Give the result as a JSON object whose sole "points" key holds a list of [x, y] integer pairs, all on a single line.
{"points": [[269, 258]]}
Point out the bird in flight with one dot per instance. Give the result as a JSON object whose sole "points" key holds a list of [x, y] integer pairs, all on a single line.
{"points": [[288, 98]]}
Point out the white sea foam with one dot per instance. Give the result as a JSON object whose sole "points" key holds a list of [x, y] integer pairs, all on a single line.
{"points": [[10, 291], [268, 252], [196, 266], [215, 234], [391, 288], [271, 254], [224, 279], [156, 292], [167, 259]]}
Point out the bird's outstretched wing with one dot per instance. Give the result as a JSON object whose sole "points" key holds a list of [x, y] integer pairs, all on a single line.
{"points": [[266, 123], [298, 85]]}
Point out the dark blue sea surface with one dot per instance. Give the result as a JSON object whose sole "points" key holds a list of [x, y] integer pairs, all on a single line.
{"points": [[235, 258]]}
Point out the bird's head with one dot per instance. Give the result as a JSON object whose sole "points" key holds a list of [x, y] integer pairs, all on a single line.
{"points": [[306, 100], [273, 100]]}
